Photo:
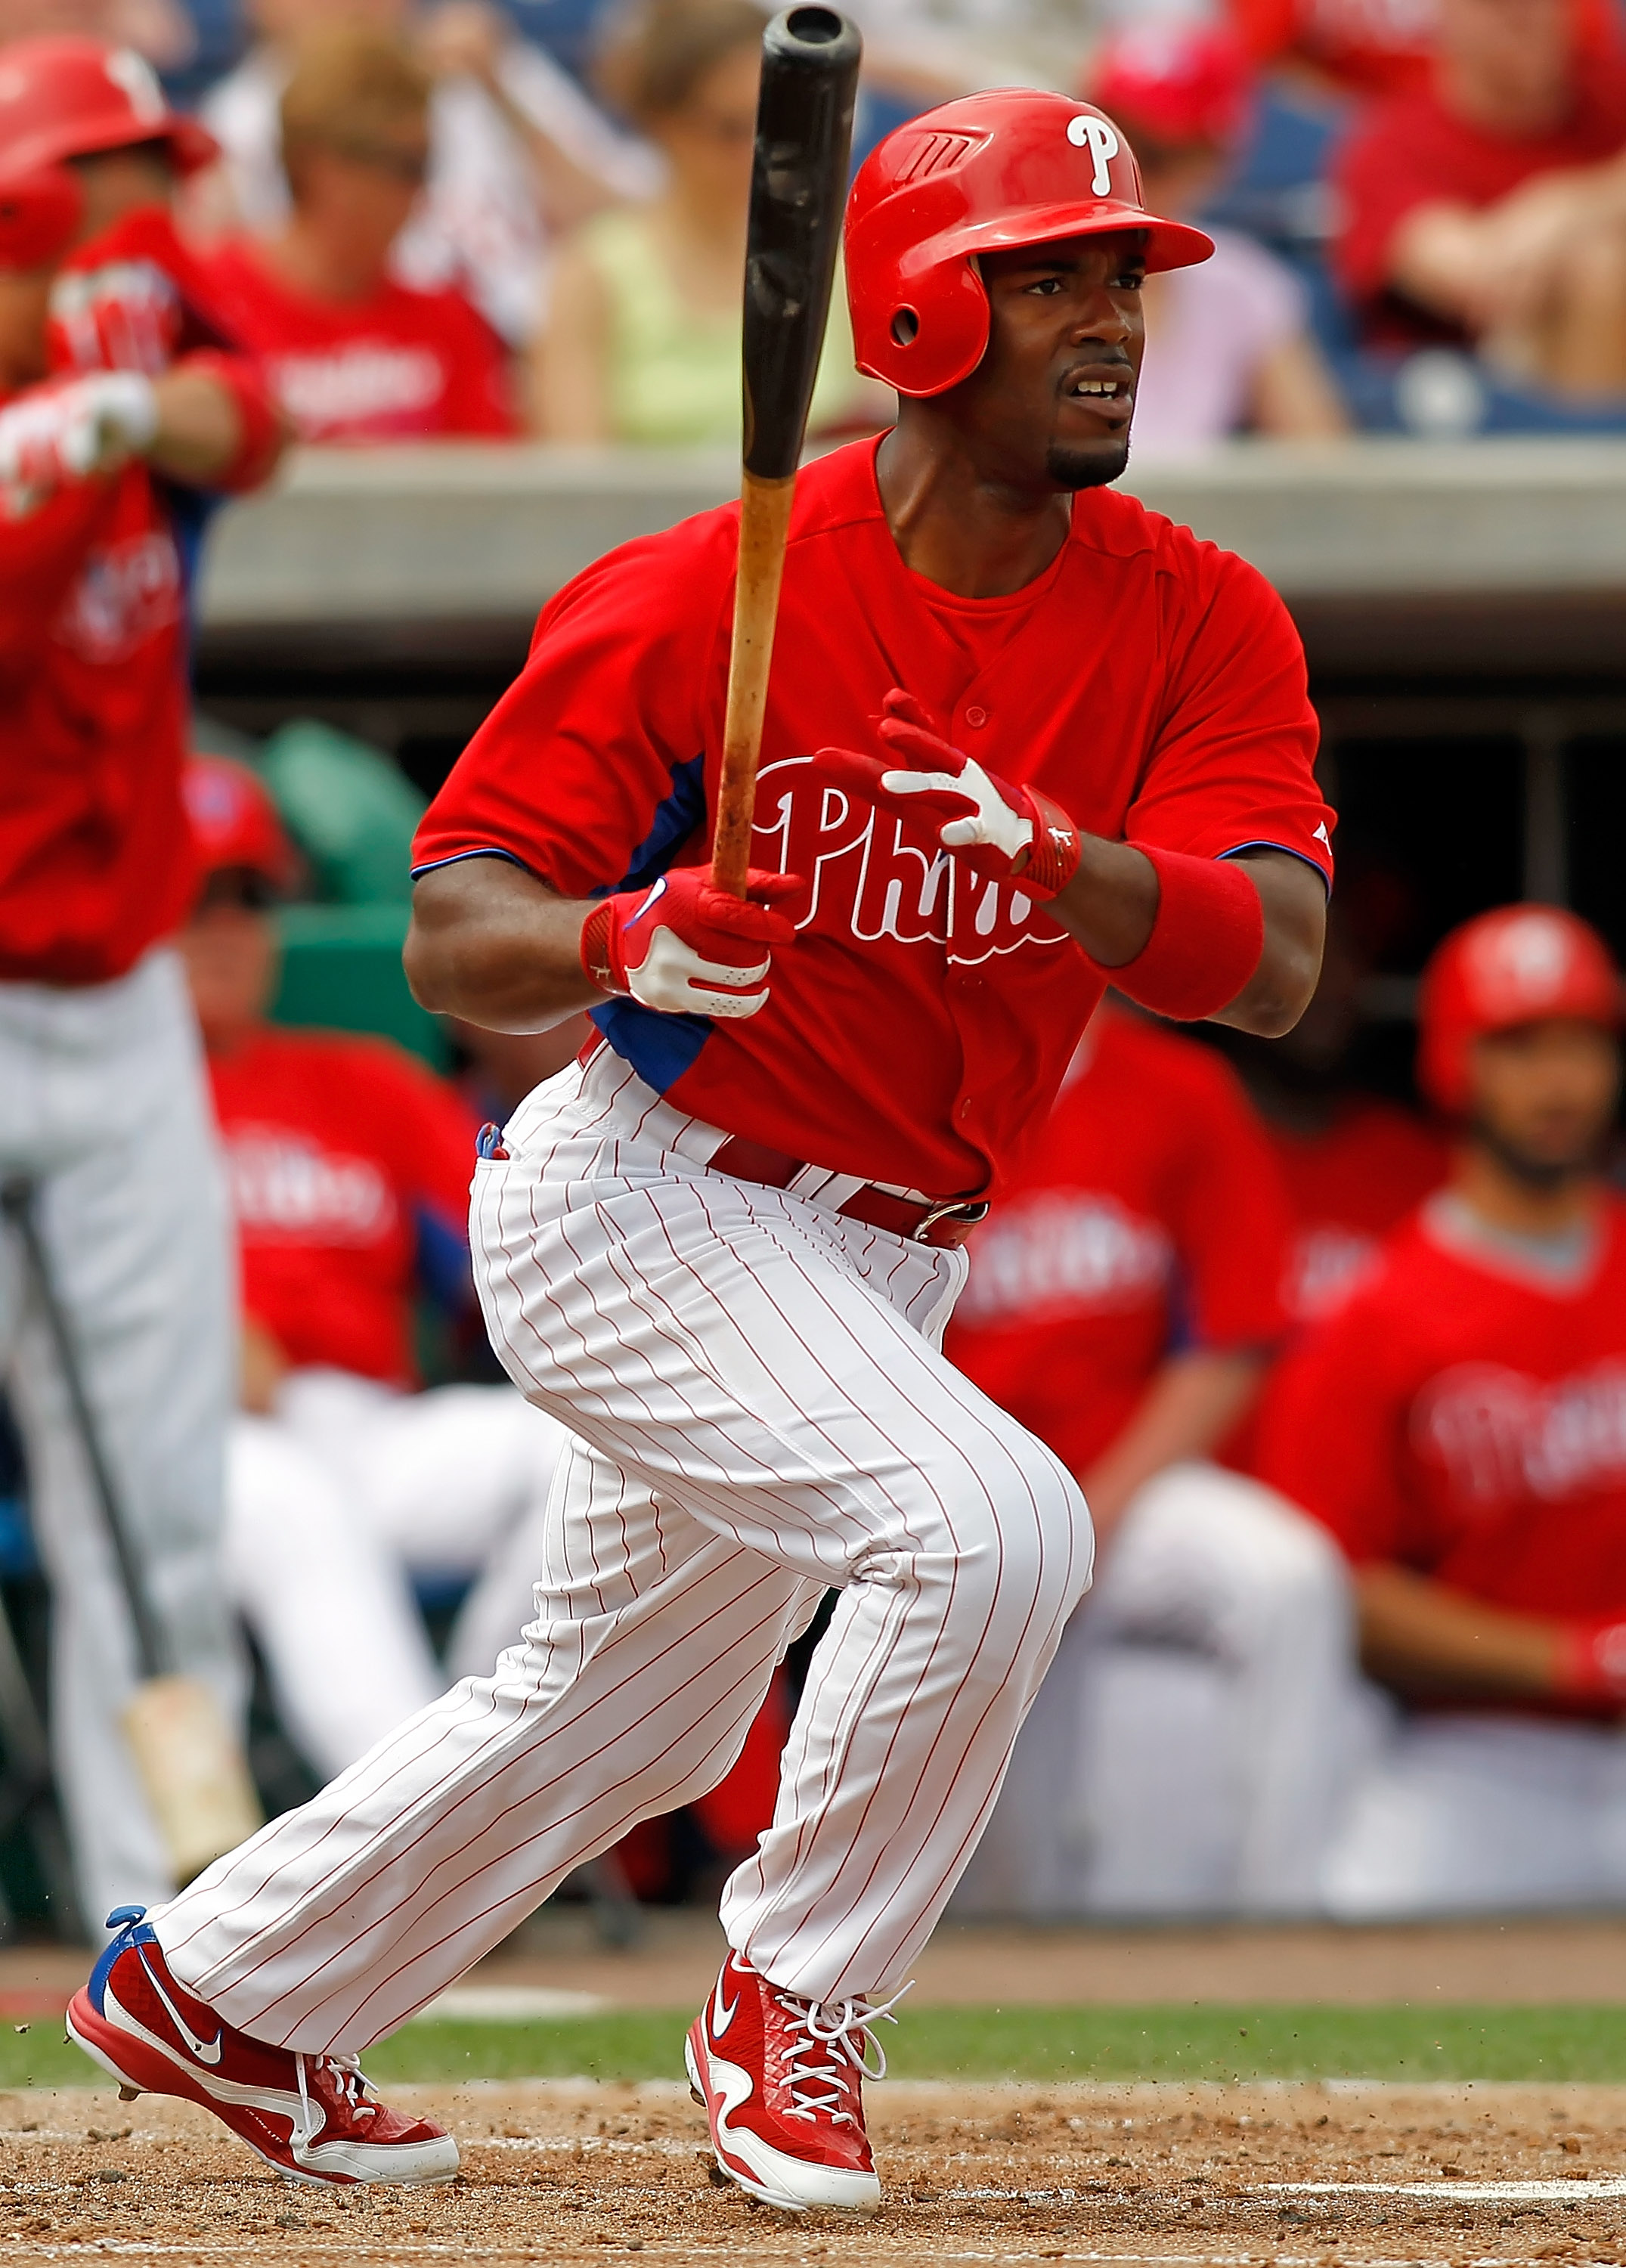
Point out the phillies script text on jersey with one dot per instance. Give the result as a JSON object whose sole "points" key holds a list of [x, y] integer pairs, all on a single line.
{"points": [[920, 1025], [342, 1154]]}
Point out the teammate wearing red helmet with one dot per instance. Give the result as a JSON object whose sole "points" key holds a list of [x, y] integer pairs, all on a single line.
{"points": [[1023, 736], [129, 410], [1461, 1428]]}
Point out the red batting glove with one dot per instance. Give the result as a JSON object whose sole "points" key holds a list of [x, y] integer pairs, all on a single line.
{"points": [[1005, 833], [687, 948], [1591, 1662]]}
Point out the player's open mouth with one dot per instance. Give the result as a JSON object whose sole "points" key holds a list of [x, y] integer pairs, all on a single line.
{"points": [[1109, 393]]}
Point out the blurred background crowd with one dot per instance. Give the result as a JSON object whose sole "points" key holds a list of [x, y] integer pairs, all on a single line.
{"points": [[488, 220], [1336, 1342]]}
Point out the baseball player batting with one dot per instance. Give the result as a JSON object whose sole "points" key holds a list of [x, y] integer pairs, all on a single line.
{"points": [[1022, 738]]}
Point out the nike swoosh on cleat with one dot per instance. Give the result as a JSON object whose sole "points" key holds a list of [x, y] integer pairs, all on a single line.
{"points": [[206, 2052], [721, 2017]]}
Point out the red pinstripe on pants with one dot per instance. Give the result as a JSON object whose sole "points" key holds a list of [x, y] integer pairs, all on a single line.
{"points": [[762, 1412]]}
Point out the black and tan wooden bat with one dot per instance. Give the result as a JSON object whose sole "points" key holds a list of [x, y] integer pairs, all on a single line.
{"points": [[799, 188]]}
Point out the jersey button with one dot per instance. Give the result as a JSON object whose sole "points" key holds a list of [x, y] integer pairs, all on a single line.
{"points": [[974, 716]]}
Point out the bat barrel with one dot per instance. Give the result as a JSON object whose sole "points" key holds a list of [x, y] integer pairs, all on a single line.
{"points": [[804, 132]]}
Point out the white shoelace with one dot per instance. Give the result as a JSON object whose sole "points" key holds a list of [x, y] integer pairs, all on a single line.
{"points": [[352, 2080], [834, 2049]]}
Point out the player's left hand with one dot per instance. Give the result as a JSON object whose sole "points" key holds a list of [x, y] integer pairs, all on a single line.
{"points": [[55, 435], [1005, 833]]}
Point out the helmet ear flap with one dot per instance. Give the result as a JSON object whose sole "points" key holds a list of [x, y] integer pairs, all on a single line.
{"points": [[919, 333]]}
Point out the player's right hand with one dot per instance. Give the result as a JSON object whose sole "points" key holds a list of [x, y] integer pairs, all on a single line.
{"points": [[687, 948], [64, 432]]}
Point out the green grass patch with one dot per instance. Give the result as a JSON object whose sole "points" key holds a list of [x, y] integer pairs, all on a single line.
{"points": [[1208, 2042]]}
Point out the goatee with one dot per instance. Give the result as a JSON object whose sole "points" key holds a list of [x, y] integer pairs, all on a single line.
{"points": [[1093, 468], [1536, 1173]]}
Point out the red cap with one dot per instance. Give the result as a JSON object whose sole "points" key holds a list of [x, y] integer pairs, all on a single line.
{"points": [[234, 821], [70, 97], [1174, 83], [988, 173], [1518, 965]]}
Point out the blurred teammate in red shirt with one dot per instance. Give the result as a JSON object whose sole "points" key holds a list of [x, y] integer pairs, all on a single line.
{"points": [[1459, 1426], [1355, 1165], [349, 1165], [1488, 207], [123, 411], [1343, 46], [1122, 1303], [353, 355]]}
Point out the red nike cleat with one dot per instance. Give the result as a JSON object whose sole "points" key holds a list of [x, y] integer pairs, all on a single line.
{"points": [[780, 2079], [314, 2117]]}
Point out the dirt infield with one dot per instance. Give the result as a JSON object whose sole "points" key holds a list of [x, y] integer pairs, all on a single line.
{"points": [[1178, 2175]]}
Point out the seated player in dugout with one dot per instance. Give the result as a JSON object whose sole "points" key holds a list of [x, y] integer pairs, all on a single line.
{"points": [[1023, 736], [1123, 1303], [124, 413], [1459, 1426]]}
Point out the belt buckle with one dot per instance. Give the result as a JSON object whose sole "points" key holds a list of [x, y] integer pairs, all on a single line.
{"points": [[970, 1209]]}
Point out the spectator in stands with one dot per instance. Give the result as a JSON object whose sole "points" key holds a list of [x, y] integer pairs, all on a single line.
{"points": [[1228, 346], [352, 354], [1459, 1426], [1339, 46], [1489, 207], [349, 1165], [159, 31], [516, 152], [643, 341], [1122, 1303]]}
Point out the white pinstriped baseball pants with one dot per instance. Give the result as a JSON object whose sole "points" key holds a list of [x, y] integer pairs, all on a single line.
{"points": [[762, 1412]]}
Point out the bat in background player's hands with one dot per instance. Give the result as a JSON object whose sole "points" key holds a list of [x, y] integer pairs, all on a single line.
{"points": [[678, 947], [1003, 832]]}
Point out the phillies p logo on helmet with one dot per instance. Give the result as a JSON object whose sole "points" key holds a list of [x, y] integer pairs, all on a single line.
{"points": [[1099, 137]]}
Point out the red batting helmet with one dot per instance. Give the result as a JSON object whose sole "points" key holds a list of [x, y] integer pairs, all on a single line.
{"points": [[234, 821], [71, 97], [988, 173], [1515, 966]]}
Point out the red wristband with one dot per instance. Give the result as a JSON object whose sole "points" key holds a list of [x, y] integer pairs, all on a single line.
{"points": [[262, 431], [1591, 1662], [1205, 942]]}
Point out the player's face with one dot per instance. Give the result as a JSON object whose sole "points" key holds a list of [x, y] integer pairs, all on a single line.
{"points": [[25, 304], [1050, 403], [1544, 1095], [229, 950]]}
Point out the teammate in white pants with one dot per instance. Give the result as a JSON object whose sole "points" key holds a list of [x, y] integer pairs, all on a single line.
{"points": [[101, 1101], [1124, 1302], [725, 1251], [348, 1165]]}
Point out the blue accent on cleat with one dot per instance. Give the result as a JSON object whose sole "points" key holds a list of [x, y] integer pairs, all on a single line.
{"points": [[132, 1925]]}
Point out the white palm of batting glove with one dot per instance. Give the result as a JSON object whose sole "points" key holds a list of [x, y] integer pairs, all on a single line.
{"points": [[673, 976], [71, 429], [993, 825], [1002, 831], [677, 948]]}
